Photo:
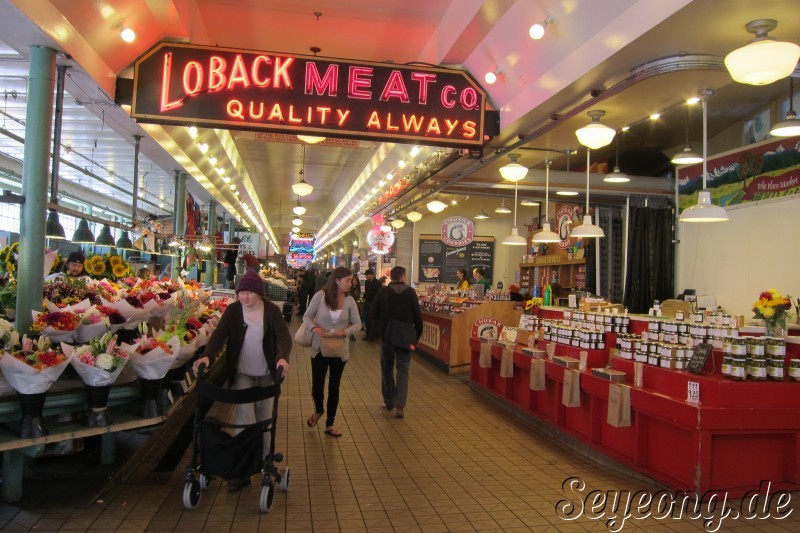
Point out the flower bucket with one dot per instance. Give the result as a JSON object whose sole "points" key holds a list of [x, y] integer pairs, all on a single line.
{"points": [[32, 423], [150, 402], [97, 414]]}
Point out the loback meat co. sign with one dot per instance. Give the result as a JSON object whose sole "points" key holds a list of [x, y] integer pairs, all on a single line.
{"points": [[250, 90]]}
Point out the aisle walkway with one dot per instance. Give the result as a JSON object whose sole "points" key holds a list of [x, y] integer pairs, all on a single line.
{"points": [[456, 462]]}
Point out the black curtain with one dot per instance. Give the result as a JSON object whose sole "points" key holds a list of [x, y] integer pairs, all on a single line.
{"points": [[651, 256], [610, 219]]}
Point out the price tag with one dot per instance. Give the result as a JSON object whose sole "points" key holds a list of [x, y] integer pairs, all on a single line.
{"points": [[694, 392]]}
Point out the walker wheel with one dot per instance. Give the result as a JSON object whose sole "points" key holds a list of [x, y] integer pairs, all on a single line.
{"points": [[204, 481], [285, 474], [267, 497], [278, 457], [191, 494]]}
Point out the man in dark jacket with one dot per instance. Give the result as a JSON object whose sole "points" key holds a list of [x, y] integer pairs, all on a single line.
{"points": [[396, 309], [230, 262], [371, 288]]}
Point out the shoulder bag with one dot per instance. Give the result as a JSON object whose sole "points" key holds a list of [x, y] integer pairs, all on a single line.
{"points": [[303, 336], [332, 346]]}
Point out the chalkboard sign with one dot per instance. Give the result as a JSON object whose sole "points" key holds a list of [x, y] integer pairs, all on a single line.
{"points": [[439, 262], [697, 363]]}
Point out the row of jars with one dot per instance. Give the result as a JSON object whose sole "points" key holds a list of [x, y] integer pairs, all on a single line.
{"points": [[740, 368], [598, 318], [758, 347], [684, 328]]}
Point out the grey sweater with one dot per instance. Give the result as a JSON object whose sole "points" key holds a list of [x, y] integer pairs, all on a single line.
{"points": [[318, 314]]}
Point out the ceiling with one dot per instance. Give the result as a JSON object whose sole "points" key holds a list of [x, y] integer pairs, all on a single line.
{"points": [[629, 58]]}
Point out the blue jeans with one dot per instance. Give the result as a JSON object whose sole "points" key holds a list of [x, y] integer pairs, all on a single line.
{"points": [[394, 390]]}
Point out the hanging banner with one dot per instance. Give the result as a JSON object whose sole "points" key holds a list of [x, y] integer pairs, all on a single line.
{"points": [[380, 241], [263, 91], [457, 231]]}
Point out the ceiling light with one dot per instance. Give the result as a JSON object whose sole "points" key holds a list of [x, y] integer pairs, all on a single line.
{"points": [[415, 151], [414, 216], [398, 223], [686, 157], [82, 233], [763, 60], [546, 235], [311, 139], [587, 230], [567, 193], [220, 171], [105, 238], [355, 242], [515, 239], [513, 171], [232, 186], [53, 228], [385, 227], [537, 30], [617, 176], [436, 206], [298, 209], [529, 203], [655, 116], [203, 148], [125, 33], [297, 221], [192, 131], [704, 210], [790, 126], [624, 128], [212, 160], [502, 208], [226, 179], [453, 202], [236, 193], [490, 78], [389, 176], [204, 246], [401, 163], [595, 134], [482, 215], [124, 242], [295, 229], [302, 188], [693, 100]]}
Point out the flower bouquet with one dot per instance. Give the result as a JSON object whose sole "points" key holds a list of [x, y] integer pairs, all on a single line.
{"points": [[98, 363], [151, 358], [532, 306], [59, 326], [773, 308], [132, 315], [31, 369], [9, 337], [108, 266]]}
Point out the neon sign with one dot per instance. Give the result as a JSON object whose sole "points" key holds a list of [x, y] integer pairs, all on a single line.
{"points": [[259, 91]]}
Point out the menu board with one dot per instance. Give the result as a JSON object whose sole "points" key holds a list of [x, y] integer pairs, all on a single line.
{"points": [[439, 262]]}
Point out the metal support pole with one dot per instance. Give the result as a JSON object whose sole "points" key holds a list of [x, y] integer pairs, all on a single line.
{"points": [[180, 214], [38, 122], [137, 139], [211, 263], [61, 72]]}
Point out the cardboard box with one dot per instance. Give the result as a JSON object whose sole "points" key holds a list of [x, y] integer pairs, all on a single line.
{"points": [[611, 375], [566, 361]]}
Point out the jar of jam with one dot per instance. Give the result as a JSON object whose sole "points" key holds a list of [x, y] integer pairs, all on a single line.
{"points": [[794, 370], [775, 369], [738, 347], [738, 372], [726, 365], [756, 347], [758, 369], [776, 347]]}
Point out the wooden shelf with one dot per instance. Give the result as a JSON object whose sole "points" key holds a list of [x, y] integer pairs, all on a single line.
{"points": [[559, 262]]}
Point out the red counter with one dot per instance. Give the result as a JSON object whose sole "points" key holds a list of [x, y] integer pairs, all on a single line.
{"points": [[738, 435]]}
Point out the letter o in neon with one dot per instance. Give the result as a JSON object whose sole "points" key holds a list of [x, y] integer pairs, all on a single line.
{"points": [[192, 77], [469, 98]]}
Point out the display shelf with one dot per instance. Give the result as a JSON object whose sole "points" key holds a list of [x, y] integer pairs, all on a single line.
{"points": [[569, 273]]}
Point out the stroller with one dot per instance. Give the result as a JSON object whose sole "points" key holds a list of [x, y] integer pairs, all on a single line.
{"points": [[215, 453]]}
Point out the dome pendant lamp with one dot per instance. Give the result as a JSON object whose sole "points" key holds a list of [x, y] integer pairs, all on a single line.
{"points": [[686, 156], [704, 210], [587, 230], [513, 171], [546, 235], [791, 126], [764, 60], [595, 134], [617, 176], [302, 188], [83, 235], [515, 239]]}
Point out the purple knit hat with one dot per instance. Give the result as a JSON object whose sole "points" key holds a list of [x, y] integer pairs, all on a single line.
{"points": [[252, 282]]}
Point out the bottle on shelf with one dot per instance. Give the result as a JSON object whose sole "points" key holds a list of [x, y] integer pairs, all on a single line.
{"points": [[548, 295]]}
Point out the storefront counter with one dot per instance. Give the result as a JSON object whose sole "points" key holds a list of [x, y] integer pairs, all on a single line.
{"points": [[445, 338], [738, 434]]}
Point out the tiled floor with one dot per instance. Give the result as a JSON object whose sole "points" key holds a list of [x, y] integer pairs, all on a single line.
{"points": [[456, 462]]}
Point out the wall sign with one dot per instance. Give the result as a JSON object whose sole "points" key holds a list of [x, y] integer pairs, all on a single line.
{"points": [[263, 91], [439, 262], [487, 328], [457, 231], [380, 241]]}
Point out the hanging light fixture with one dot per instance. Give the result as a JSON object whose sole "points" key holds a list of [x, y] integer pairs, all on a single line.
{"points": [[790, 126], [297, 221], [595, 134], [311, 139], [502, 209], [414, 216], [83, 235], [515, 239], [546, 235], [482, 215], [587, 229], [436, 206], [491, 77], [298, 209], [398, 223], [686, 156], [125, 33], [295, 229], [53, 228], [124, 242], [617, 176], [105, 238], [513, 171], [536, 31], [302, 188], [204, 246], [704, 210], [763, 60]]}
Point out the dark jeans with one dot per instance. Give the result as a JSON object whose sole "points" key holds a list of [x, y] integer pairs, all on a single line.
{"points": [[371, 325], [230, 274], [395, 391], [319, 369]]}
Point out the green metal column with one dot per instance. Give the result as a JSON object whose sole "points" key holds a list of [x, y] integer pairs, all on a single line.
{"points": [[211, 263], [35, 165], [180, 215]]}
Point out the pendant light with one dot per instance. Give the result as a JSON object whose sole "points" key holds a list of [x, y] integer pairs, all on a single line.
{"points": [[436, 206], [595, 134], [310, 139], [546, 235], [764, 60], [398, 223], [529, 203], [515, 239], [513, 171], [105, 238], [83, 235], [297, 222], [414, 216], [704, 210], [617, 176], [298, 209], [502, 208], [686, 156], [587, 230], [302, 188], [124, 242], [482, 215], [790, 126], [53, 228]]}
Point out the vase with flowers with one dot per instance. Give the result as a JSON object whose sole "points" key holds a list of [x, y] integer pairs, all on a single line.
{"points": [[773, 308]]}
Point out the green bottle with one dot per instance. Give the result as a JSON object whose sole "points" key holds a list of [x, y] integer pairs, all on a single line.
{"points": [[548, 295]]}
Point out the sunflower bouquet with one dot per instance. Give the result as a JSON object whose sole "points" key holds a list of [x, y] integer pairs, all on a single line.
{"points": [[773, 308], [107, 266], [8, 259]]}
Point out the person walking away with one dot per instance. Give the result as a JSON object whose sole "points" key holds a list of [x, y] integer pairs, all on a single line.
{"points": [[258, 343], [371, 288], [230, 262], [396, 309], [331, 313], [355, 292]]}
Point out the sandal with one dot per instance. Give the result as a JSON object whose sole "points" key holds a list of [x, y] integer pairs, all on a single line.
{"points": [[313, 419], [332, 431]]}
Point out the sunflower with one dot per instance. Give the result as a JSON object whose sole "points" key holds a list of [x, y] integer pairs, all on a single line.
{"points": [[98, 268], [119, 270], [116, 260]]}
